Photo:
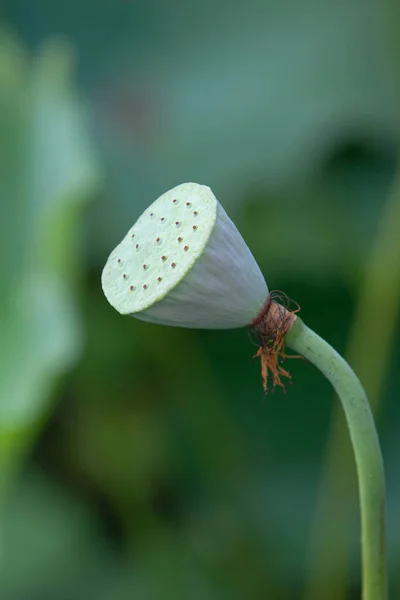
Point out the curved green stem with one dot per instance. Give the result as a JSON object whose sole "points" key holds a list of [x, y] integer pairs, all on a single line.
{"points": [[371, 478]]}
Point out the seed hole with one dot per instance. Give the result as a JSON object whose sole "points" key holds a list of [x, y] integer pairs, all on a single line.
{"points": [[162, 219], [177, 223], [124, 275], [163, 257], [194, 227], [159, 278], [186, 248], [137, 246], [173, 265], [119, 260], [175, 201], [179, 239], [188, 203], [132, 287], [195, 213], [145, 287]]}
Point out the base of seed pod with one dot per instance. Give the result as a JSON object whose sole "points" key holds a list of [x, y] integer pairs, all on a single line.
{"points": [[270, 327]]}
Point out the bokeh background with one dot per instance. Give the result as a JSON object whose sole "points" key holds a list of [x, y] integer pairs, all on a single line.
{"points": [[140, 461]]}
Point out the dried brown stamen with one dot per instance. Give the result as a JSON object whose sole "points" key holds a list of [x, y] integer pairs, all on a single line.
{"points": [[271, 326]]}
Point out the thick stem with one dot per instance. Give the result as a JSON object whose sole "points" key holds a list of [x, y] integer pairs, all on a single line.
{"points": [[371, 478]]}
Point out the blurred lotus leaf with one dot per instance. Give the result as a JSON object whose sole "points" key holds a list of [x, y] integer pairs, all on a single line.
{"points": [[47, 172], [44, 532]]}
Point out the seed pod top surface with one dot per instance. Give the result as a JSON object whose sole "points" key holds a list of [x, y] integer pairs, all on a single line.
{"points": [[160, 248]]}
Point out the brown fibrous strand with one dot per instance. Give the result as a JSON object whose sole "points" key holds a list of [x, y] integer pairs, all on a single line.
{"points": [[270, 326]]}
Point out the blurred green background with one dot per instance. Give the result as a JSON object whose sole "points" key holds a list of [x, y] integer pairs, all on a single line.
{"points": [[140, 461]]}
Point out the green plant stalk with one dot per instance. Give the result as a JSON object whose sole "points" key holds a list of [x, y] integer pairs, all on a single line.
{"points": [[380, 284], [368, 457]]}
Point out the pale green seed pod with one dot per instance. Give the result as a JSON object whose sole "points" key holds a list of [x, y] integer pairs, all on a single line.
{"points": [[184, 263]]}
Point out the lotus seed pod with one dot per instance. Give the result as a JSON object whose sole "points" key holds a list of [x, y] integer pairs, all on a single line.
{"points": [[184, 263]]}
